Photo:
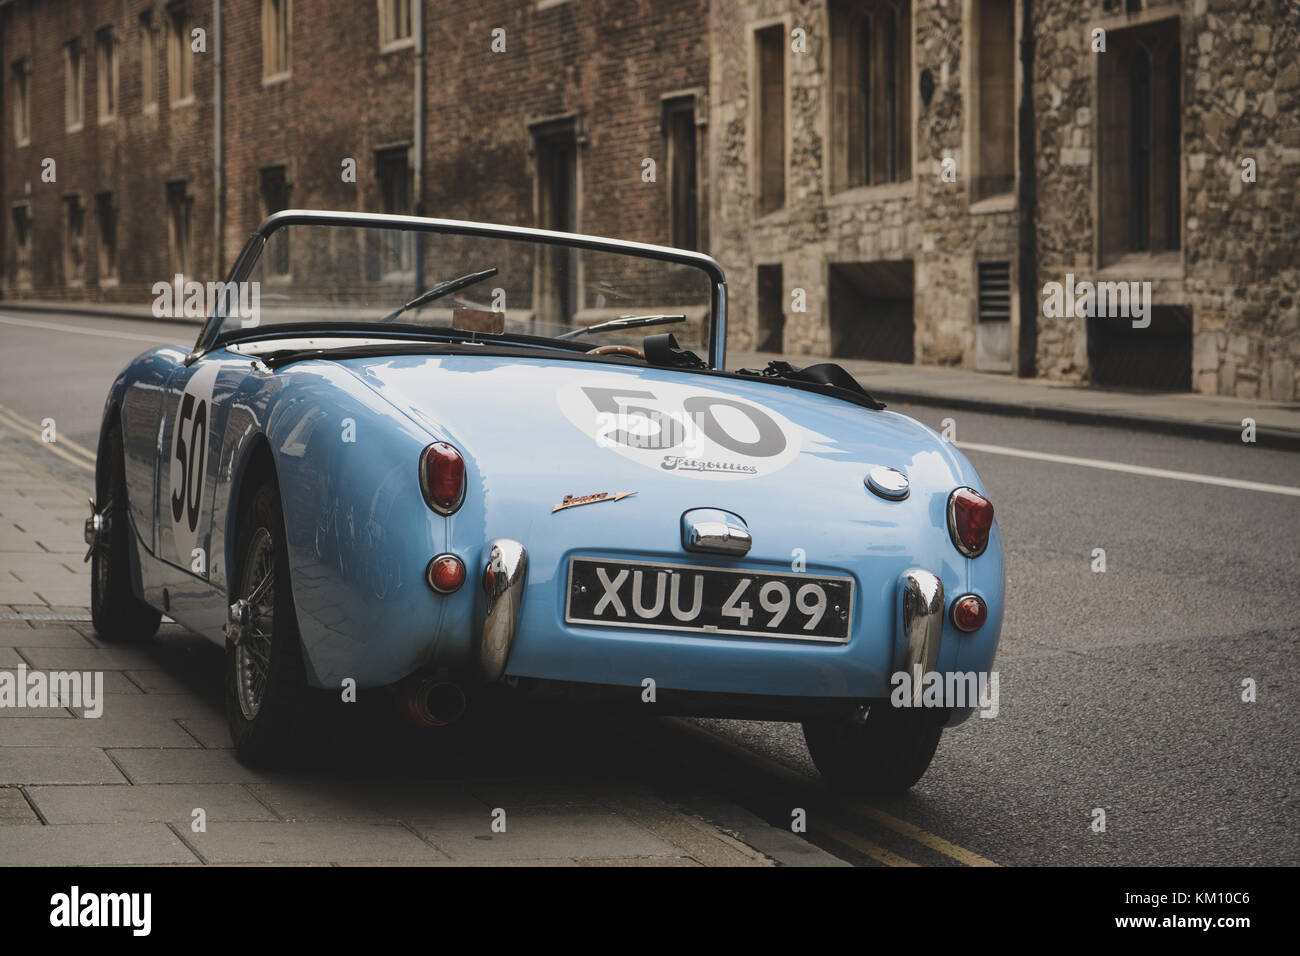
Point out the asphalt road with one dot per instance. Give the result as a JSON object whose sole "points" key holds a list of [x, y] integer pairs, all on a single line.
{"points": [[1120, 690]]}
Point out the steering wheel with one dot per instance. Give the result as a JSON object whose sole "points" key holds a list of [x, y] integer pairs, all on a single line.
{"points": [[617, 350]]}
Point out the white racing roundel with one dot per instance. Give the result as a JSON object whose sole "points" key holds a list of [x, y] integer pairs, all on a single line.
{"points": [[191, 427], [682, 429]]}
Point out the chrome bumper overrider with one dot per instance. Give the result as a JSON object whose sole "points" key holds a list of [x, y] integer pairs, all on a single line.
{"points": [[96, 529], [922, 607], [503, 591]]}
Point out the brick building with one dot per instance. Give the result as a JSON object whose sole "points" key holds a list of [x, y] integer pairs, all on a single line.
{"points": [[876, 176], [511, 111]]}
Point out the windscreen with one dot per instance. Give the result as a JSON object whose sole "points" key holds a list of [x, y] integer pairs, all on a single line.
{"points": [[314, 277]]}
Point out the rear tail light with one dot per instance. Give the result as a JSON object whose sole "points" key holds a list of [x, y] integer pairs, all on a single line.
{"points": [[446, 573], [442, 477], [970, 518], [969, 612]]}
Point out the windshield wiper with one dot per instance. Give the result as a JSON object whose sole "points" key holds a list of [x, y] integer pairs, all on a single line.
{"points": [[441, 289], [625, 322]]}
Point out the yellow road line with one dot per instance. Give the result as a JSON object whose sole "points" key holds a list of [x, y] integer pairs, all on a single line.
{"points": [[66, 442], [924, 837], [865, 847], [65, 448], [909, 830]]}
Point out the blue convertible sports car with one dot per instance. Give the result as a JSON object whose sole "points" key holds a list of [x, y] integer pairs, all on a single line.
{"points": [[441, 456]]}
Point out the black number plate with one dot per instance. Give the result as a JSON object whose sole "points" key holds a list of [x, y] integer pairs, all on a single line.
{"points": [[679, 597]]}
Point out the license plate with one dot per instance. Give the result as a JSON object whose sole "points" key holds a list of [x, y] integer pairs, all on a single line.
{"points": [[682, 597]]}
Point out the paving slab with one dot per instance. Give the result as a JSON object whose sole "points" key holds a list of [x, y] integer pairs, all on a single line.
{"points": [[544, 835], [310, 842], [64, 595], [153, 681], [310, 800], [92, 845], [15, 810], [535, 794], [117, 683], [210, 732], [106, 731], [35, 765], [186, 707], [148, 803], [12, 635], [185, 765], [86, 658], [24, 713]]}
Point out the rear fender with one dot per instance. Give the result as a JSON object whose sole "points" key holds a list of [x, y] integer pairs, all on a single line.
{"points": [[359, 532]]}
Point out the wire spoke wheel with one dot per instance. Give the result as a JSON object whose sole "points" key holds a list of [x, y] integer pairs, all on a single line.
{"points": [[253, 654]]}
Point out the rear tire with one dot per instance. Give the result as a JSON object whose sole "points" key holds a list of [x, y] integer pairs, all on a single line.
{"points": [[118, 615], [887, 752], [268, 703]]}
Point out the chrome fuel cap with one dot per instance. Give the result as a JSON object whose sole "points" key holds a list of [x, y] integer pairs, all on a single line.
{"points": [[888, 483]]}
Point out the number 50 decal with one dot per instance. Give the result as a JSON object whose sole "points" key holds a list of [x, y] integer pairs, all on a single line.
{"points": [[684, 429], [191, 429], [186, 498]]}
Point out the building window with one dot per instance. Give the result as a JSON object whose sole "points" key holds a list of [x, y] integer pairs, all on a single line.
{"points": [[993, 67], [74, 102], [275, 39], [769, 45], [555, 148], [274, 186], [681, 133], [771, 309], [106, 217], [74, 241], [106, 73], [1140, 140], [393, 170], [22, 95], [148, 61], [871, 70], [22, 220], [179, 204], [180, 55], [395, 23]]}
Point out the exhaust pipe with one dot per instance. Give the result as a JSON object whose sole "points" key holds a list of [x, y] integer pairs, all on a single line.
{"points": [[434, 703]]}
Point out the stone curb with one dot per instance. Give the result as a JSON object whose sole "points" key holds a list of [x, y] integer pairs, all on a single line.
{"points": [[1273, 438]]}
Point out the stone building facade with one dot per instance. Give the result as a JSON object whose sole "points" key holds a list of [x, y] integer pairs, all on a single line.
{"points": [[1141, 117], [858, 166]]}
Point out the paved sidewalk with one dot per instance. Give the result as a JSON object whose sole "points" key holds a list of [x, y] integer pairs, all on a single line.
{"points": [[129, 786], [1177, 413]]}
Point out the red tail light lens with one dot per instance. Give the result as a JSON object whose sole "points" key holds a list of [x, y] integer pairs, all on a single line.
{"points": [[442, 477], [969, 612], [970, 518], [446, 573]]}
